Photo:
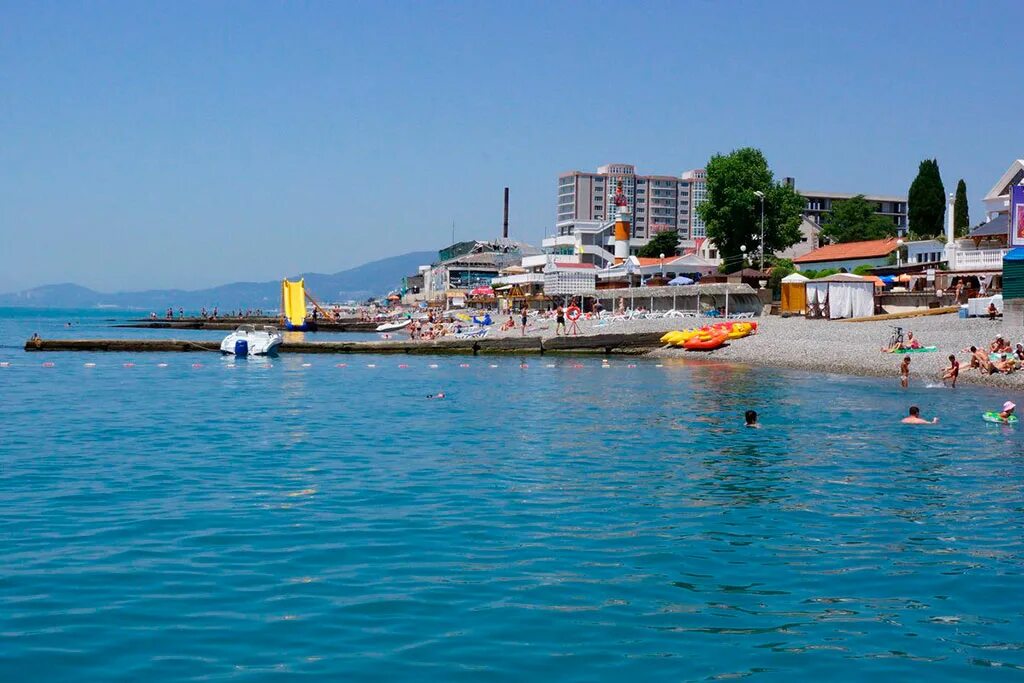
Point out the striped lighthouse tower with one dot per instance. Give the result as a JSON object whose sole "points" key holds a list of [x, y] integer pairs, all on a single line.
{"points": [[621, 224]]}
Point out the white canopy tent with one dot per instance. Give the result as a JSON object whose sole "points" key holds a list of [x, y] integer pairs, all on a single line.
{"points": [[846, 296]]}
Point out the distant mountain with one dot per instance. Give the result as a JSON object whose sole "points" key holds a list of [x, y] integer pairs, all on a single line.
{"points": [[370, 279]]}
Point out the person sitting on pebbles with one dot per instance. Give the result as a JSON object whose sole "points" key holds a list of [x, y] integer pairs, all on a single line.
{"points": [[1006, 364], [980, 360], [999, 345]]}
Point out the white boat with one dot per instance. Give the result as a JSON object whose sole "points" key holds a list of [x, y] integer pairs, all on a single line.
{"points": [[249, 341], [394, 325]]}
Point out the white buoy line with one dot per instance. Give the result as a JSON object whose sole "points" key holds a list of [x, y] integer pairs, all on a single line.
{"points": [[523, 365]]}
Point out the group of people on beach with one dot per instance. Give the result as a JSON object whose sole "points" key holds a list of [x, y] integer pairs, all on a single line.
{"points": [[998, 357], [211, 314]]}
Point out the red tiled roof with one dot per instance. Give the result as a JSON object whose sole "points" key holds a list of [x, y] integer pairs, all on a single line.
{"points": [[849, 251]]}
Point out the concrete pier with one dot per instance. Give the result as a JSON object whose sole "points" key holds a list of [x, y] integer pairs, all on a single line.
{"points": [[350, 325], [596, 343]]}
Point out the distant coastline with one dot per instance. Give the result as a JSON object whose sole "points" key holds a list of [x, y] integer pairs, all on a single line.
{"points": [[375, 278]]}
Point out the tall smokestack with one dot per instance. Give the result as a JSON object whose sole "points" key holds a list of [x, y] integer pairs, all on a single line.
{"points": [[504, 225]]}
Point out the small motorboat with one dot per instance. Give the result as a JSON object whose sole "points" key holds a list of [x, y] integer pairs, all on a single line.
{"points": [[249, 341], [394, 325]]}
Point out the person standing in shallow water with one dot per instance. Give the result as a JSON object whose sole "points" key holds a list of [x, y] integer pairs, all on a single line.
{"points": [[750, 419], [953, 371], [905, 372]]}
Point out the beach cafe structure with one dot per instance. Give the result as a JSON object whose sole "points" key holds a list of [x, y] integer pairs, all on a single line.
{"points": [[724, 299], [466, 266], [637, 270], [540, 277]]}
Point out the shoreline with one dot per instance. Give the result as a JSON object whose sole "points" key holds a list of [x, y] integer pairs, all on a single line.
{"points": [[830, 347], [855, 348]]}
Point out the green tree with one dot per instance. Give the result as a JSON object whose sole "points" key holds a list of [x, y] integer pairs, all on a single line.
{"points": [[863, 269], [854, 220], [926, 201], [732, 212], [961, 214], [666, 243]]}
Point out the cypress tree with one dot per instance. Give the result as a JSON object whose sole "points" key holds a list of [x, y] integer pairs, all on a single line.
{"points": [[961, 215], [926, 201]]}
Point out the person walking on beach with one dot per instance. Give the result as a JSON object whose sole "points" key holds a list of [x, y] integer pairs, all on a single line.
{"points": [[952, 372], [905, 372], [523, 314], [914, 418], [559, 321]]}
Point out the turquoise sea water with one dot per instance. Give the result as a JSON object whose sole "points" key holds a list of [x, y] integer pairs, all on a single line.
{"points": [[259, 520]]}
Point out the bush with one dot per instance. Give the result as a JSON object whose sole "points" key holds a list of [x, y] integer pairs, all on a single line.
{"points": [[778, 272], [863, 270]]}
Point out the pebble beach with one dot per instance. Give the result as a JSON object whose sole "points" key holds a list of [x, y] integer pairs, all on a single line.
{"points": [[851, 348], [855, 348]]}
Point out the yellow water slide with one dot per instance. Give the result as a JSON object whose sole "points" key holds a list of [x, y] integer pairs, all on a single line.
{"points": [[293, 302]]}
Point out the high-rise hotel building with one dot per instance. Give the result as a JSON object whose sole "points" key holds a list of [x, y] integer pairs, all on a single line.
{"points": [[656, 203]]}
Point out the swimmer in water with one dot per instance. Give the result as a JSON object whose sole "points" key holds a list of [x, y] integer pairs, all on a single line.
{"points": [[751, 419], [439, 394], [914, 418]]}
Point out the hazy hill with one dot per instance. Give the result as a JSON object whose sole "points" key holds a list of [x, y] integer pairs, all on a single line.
{"points": [[370, 279]]}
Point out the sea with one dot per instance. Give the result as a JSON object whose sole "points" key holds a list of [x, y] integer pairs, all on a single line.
{"points": [[192, 517]]}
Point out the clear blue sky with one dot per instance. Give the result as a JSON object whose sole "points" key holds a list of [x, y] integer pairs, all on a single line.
{"points": [[188, 144]]}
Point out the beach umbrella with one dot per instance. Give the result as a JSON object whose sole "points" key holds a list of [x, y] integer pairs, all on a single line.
{"points": [[681, 280]]}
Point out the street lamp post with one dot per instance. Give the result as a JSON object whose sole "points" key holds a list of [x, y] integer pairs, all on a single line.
{"points": [[760, 195], [662, 266], [743, 256], [899, 253]]}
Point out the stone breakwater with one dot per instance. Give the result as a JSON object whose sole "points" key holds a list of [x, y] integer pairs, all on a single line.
{"points": [[594, 344], [854, 348]]}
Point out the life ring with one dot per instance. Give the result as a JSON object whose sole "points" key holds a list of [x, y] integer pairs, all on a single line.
{"points": [[573, 313]]}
